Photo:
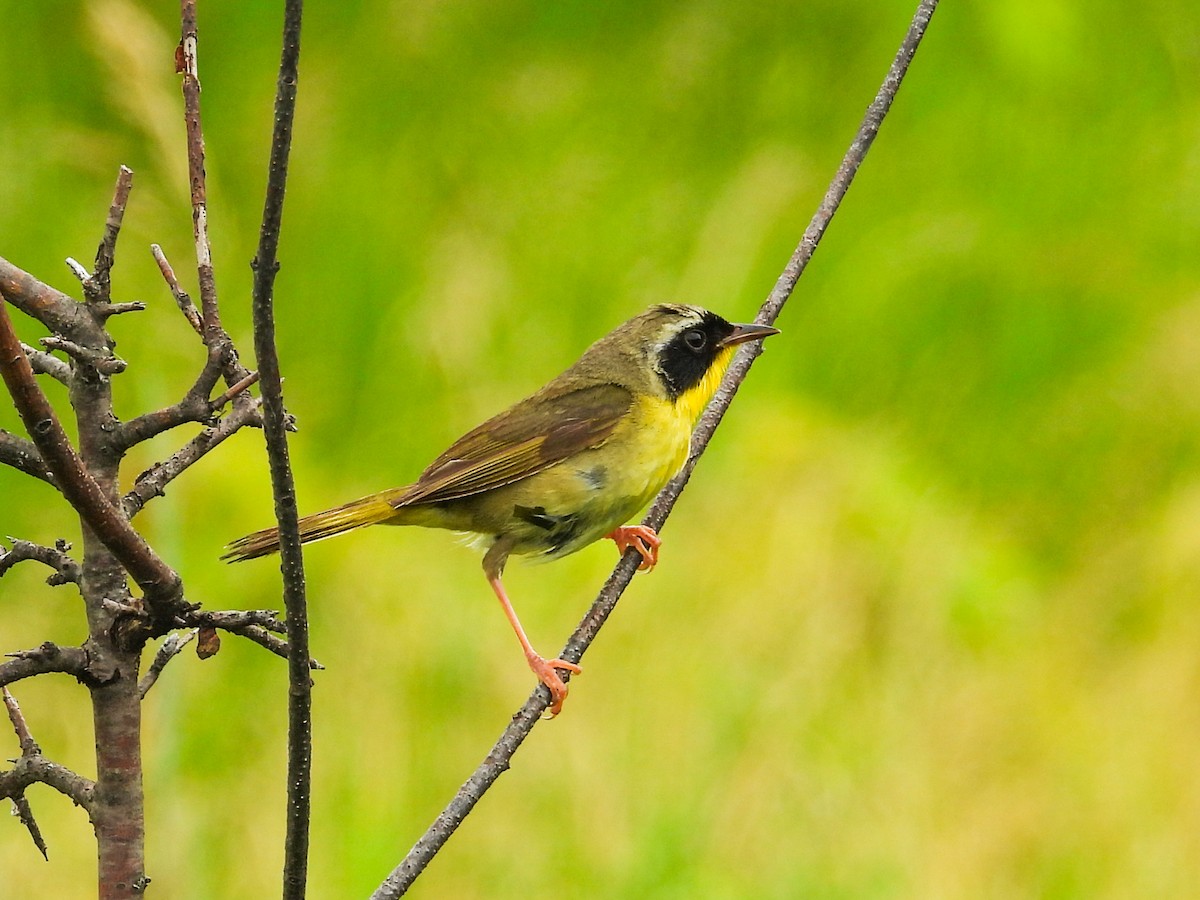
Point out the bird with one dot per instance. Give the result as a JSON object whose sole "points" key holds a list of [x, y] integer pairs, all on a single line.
{"points": [[568, 465]]}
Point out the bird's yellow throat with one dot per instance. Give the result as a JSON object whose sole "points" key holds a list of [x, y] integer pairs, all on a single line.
{"points": [[692, 401]]}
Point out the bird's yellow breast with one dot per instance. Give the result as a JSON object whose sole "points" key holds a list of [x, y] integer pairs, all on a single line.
{"points": [[581, 499]]}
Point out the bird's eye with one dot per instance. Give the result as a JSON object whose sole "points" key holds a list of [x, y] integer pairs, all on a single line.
{"points": [[695, 340]]}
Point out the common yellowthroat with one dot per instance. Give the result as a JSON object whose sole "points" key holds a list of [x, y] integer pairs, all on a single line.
{"points": [[566, 466]]}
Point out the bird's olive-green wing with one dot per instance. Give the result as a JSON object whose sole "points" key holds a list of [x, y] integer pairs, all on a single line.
{"points": [[522, 441]]}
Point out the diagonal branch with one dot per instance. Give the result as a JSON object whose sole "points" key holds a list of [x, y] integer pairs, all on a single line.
{"points": [[44, 363], [167, 650], [153, 481], [497, 760], [59, 313], [162, 586], [21, 454]]}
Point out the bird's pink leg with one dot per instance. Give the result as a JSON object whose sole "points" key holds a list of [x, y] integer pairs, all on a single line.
{"points": [[543, 668]]}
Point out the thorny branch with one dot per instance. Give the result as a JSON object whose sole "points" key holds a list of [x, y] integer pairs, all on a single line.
{"points": [[33, 768], [66, 570], [43, 660], [497, 760], [159, 582]]}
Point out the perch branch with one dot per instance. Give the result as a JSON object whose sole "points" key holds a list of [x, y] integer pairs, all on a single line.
{"points": [[497, 760], [66, 570]]}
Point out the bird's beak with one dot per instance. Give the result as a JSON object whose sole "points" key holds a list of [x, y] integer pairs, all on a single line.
{"points": [[743, 333]]}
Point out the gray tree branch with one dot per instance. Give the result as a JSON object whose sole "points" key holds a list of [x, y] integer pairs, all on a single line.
{"points": [[498, 758]]}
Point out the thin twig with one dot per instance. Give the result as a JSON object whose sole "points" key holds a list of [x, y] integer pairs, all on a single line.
{"points": [[276, 423], [66, 570], [108, 310], [100, 289], [255, 625], [171, 645], [44, 363], [187, 64], [29, 748], [498, 759], [218, 402], [182, 299]]}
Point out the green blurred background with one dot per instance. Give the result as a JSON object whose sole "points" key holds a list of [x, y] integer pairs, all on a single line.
{"points": [[926, 623]]}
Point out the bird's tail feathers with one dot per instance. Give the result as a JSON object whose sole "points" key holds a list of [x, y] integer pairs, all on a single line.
{"points": [[370, 510]]}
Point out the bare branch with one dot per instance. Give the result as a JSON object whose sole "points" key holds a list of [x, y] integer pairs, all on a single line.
{"points": [[103, 361], [45, 659], [254, 625], [161, 585], [29, 746], [187, 65], [37, 769], [497, 760], [44, 363], [249, 381], [194, 407], [66, 569], [276, 423], [182, 299], [107, 310], [21, 454], [150, 484], [54, 309], [101, 289], [167, 650]]}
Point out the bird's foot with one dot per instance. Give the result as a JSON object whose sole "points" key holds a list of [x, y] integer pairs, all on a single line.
{"points": [[642, 538], [544, 669]]}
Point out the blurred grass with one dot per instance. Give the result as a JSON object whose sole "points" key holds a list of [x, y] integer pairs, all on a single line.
{"points": [[926, 623]]}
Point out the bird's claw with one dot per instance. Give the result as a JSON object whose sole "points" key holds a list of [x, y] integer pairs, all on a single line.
{"points": [[642, 538], [544, 669]]}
